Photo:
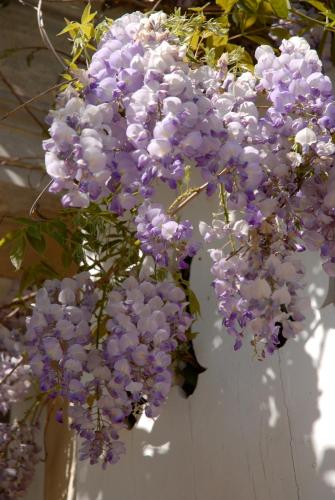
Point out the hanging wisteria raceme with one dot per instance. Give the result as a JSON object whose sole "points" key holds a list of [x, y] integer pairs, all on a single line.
{"points": [[147, 114], [19, 452], [258, 286], [280, 182], [19, 455], [143, 115], [57, 333], [305, 104], [106, 372], [15, 373]]}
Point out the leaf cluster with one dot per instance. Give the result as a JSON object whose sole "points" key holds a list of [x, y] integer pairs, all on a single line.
{"points": [[81, 34], [91, 239]]}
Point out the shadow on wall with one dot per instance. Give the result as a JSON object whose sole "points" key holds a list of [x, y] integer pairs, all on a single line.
{"points": [[251, 431]]}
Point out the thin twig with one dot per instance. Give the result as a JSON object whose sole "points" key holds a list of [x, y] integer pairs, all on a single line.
{"points": [[235, 252], [34, 48], [311, 19], [193, 194], [246, 33], [21, 101], [46, 427], [34, 206], [44, 34], [156, 5], [11, 372], [12, 313], [17, 162], [41, 94], [18, 300]]}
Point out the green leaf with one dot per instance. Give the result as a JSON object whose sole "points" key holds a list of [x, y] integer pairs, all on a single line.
{"points": [[195, 40], [281, 7], [36, 274], [23, 220], [87, 16], [199, 9], [194, 303], [318, 5], [28, 279], [259, 40], [251, 5], [57, 230], [190, 371], [281, 33], [17, 252], [226, 5], [36, 239], [71, 26], [8, 237]]}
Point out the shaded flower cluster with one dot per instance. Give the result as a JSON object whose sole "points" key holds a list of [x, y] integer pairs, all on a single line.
{"points": [[58, 331], [19, 455], [106, 373], [15, 374]]}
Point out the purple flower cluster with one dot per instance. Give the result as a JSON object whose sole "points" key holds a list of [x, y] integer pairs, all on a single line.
{"points": [[279, 185], [144, 115], [131, 369], [301, 26], [264, 142], [258, 286], [19, 455], [58, 332], [303, 107], [164, 238], [266, 138], [106, 366], [15, 374]]}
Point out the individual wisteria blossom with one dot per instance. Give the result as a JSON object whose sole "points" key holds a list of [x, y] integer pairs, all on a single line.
{"points": [[15, 373], [106, 375], [19, 455]]}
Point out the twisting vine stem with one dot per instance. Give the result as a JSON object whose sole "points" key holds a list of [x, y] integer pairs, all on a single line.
{"points": [[44, 34]]}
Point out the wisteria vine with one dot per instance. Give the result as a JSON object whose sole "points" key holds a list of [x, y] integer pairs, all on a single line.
{"points": [[143, 119]]}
